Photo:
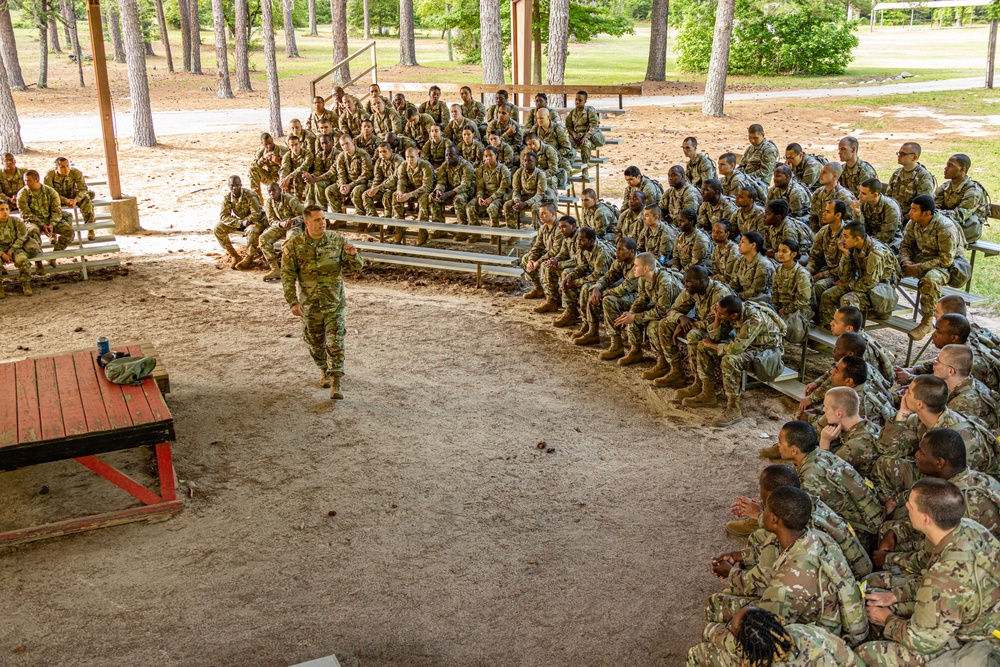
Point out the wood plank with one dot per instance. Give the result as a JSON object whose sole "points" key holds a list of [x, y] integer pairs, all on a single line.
{"points": [[154, 400], [28, 422], [90, 393], [8, 406], [49, 412], [74, 417], [159, 512], [119, 479], [111, 394]]}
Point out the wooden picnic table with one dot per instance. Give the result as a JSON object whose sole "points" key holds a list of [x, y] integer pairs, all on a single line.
{"points": [[60, 407]]}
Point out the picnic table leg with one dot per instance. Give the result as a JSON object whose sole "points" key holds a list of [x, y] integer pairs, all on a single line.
{"points": [[165, 467]]}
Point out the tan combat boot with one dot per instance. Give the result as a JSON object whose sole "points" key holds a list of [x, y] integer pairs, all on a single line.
{"points": [[741, 527], [234, 257], [614, 351], [245, 263], [771, 452], [675, 379], [398, 236], [568, 318], [336, 393], [922, 329], [659, 370], [422, 237], [475, 238], [3, 295], [274, 273], [536, 292], [706, 399], [582, 330], [40, 268], [461, 237], [550, 306], [591, 337], [91, 235], [324, 380], [26, 286], [689, 391], [732, 415], [634, 355]]}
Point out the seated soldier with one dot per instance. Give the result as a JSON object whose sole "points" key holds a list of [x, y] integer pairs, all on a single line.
{"points": [[529, 190], [953, 602], [754, 636], [584, 129], [16, 248], [805, 167], [240, 212], [924, 406], [541, 108], [324, 172], [714, 205], [831, 478], [732, 179], [619, 284], [41, 212], [853, 371], [591, 257], [72, 189], [375, 95], [492, 190], [433, 149], [385, 119], [657, 291], [856, 170], [473, 109], [745, 337], [501, 101], [296, 162], [725, 252], [880, 215], [910, 180], [382, 187], [691, 246], [458, 124], [788, 188], [810, 582], [320, 113], [980, 336], [284, 215], [830, 190], [400, 105], [456, 186], [656, 236], [307, 138], [748, 216], [266, 164], [699, 167], [563, 260], [849, 319], [966, 394], [866, 274], [760, 157], [399, 143], [824, 257], [791, 292], [779, 225], [554, 134], [434, 107], [941, 455], [689, 320], [470, 148], [846, 433], [509, 130], [11, 180], [752, 273], [546, 245], [354, 172], [954, 329], [414, 181], [417, 127], [634, 180], [505, 154], [367, 141], [597, 213], [630, 219], [678, 196], [351, 117], [961, 199], [548, 161]]}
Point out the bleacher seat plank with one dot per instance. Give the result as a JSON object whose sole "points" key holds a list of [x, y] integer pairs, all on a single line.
{"points": [[791, 388], [440, 253], [441, 265], [971, 299]]}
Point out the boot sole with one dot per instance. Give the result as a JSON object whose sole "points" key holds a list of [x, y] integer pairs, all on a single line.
{"points": [[733, 533], [726, 424]]}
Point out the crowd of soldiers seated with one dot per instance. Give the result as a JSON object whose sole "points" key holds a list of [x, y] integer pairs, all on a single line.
{"points": [[393, 159], [37, 205]]}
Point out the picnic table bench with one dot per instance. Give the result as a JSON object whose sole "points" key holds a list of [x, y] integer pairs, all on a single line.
{"points": [[61, 406]]}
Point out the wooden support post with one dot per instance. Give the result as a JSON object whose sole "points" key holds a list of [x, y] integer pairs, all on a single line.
{"points": [[104, 97], [520, 31], [991, 54]]}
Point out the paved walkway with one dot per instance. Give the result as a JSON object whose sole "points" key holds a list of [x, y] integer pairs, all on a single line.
{"points": [[38, 129]]}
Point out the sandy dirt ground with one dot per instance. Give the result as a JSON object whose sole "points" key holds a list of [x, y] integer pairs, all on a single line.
{"points": [[416, 522]]}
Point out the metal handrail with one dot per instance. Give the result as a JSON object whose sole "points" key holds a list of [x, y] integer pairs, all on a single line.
{"points": [[373, 70]]}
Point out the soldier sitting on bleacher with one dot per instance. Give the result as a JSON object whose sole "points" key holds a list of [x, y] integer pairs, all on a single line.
{"points": [[73, 193], [41, 212], [16, 247], [11, 180]]}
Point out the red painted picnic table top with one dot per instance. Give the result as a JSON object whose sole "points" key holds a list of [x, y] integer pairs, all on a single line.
{"points": [[63, 406]]}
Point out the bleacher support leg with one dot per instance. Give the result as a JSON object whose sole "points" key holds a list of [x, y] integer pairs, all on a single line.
{"points": [[972, 270]]}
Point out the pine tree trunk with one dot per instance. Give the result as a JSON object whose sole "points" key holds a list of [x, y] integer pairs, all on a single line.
{"points": [[242, 54], [338, 13], [10, 126], [115, 30], [142, 113], [54, 45], [43, 44], [715, 85], [555, 73], [407, 40], [313, 32], [8, 49], [195, 36], [161, 21], [271, 66], [536, 45], [148, 46], [490, 43], [291, 48], [656, 66], [72, 36], [368, 21], [224, 90], [182, 11], [65, 25]]}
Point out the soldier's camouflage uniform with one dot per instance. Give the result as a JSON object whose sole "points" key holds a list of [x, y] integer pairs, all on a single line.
{"points": [[307, 139], [418, 132], [972, 397], [675, 200], [515, 139], [789, 228], [869, 272], [316, 266], [72, 186], [355, 171], [462, 180], [491, 112], [263, 170], [749, 220], [934, 250], [814, 647], [588, 126], [438, 111], [808, 170], [618, 287], [699, 169], [476, 111], [383, 177], [882, 220], [822, 197], [684, 304], [288, 210], [904, 186], [532, 189], [547, 244], [601, 218], [857, 445], [841, 487], [315, 120], [757, 336], [531, 123], [853, 177], [965, 204], [658, 240], [294, 166], [390, 121], [798, 196], [369, 145], [629, 225], [690, 249], [324, 169], [493, 183], [648, 188], [434, 152], [42, 207], [708, 214], [350, 123], [751, 280], [791, 292], [724, 256], [15, 240], [824, 260], [651, 306], [556, 137], [734, 182], [760, 161], [879, 359], [10, 185], [590, 266], [548, 161], [419, 180], [453, 130], [241, 215], [471, 153], [506, 155]]}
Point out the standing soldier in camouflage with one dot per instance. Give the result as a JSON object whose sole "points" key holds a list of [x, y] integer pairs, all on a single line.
{"points": [[72, 189], [584, 129], [961, 199], [385, 119], [11, 180], [880, 214], [700, 167], [240, 212], [805, 167], [457, 123], [725, 252], [679, 195], [856, 170], [658, 289], [792, 292], [620, 283], [414, 180], [910, 180], [15, 248], [597, 214], [952, 606], [315, 260], [473, 109], [266, 164], [296, 162], [284, 214], [732, 179], [434, 107], [865, 277], [529, 190], [324, 172], [933, 251], [830, 190], [40, 209], [354, 172], [714, 205], [691, 245], [787, 187], [761, 156], [547, 245], [433, 149], [656, 236], [593, 257], [492, 191], [456, 185], [382, 188], [753, 272], [554, 134], [748, 216]]}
